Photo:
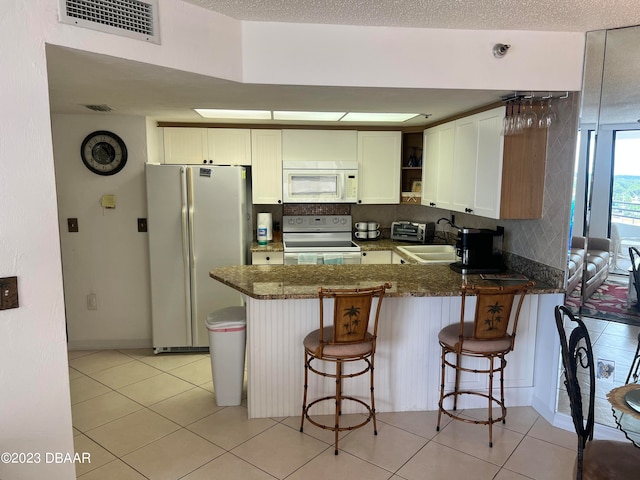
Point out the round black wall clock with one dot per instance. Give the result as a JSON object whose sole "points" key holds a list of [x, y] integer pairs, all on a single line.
{"points": [[104, 153]]}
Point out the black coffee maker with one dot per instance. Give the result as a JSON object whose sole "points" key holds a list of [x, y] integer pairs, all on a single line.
{"points": [[480, 250]]}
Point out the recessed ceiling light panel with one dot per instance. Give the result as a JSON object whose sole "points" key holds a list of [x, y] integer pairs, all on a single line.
{"points": [[234, 114], [377, 117]]}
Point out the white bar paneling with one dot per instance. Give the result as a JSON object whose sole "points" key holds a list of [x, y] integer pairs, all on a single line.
{"points": [[407, 362]]}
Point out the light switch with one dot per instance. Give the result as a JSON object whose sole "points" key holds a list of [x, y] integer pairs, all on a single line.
{"points": [[72, 225]]}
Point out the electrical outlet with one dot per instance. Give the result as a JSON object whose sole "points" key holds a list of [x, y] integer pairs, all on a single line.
{"points": [[9, 293], [142, 225], [72, 225], [92, 301]]}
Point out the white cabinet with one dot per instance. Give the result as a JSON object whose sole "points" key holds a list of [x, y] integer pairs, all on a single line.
{"points": [[379, 167], [229, 146], [463, 164], [266, 166], [437, 169], [488, 172], [220, 146], [478, 163], [320, 145], [185, 145], [376, 257], [267, 258]]}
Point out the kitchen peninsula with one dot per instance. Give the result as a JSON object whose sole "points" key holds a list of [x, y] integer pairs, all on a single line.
{"points": [[282, 308]]}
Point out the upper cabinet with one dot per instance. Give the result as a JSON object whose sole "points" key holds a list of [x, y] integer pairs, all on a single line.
{"points": [[229, 146], [185, 145], [437, 166], [218, 146], [266, 166], [470, 167], [319, 145], [379, 167]]}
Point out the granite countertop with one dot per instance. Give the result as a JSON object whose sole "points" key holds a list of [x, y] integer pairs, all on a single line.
{"points": [[271, 282]]}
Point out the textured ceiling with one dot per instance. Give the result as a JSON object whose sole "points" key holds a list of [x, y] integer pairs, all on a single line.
{"points": [[550, 15]]}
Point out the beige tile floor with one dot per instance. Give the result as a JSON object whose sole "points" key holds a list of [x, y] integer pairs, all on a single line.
{"points": [[144, 416]]}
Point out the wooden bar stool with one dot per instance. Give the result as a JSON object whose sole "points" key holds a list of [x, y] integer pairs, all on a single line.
{"points": [[487, 336], [346, 340]]}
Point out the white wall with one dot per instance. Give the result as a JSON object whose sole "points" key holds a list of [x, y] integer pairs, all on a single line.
{"points": [[35, 404], [410, 57], [107, 256]]}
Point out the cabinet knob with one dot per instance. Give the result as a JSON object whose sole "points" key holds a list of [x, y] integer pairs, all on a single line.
{"points": [[431, 204], [364, 254], [279, 201], [468, 210], [268, 259]]}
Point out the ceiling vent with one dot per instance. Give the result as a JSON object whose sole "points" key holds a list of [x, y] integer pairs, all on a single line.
{"points": [[130, 18], [99, 108]]}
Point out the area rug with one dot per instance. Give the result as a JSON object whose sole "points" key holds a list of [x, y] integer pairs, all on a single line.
{"points": [[608, 302]]}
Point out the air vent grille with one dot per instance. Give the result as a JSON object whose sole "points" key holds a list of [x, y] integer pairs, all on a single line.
{"points": [[99, 108], [133, 18]]}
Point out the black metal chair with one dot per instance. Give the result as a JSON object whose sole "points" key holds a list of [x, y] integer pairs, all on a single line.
{"points": [[596, 459], [634, 371], [634, 255]]}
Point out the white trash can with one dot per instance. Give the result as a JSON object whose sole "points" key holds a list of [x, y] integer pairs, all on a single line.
{"points": [[227, 342]]}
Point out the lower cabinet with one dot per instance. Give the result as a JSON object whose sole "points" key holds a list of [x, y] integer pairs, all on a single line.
{"points": [[377, 257], [267, 258]]}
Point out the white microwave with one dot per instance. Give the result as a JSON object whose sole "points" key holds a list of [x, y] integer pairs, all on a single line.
{"points": [[319, 182]]}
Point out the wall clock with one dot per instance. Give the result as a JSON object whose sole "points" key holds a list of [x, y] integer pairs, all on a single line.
{"points": [[104, 153]]}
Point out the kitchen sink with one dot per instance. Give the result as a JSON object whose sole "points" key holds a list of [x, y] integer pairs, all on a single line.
{"points": [[430, 253]]}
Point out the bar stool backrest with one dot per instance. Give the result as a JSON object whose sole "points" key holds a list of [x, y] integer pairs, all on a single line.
{"points": [[493, 310], [351, 313]]}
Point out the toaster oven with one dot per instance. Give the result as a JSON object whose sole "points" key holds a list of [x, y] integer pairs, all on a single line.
{"points": [[413, 232]]}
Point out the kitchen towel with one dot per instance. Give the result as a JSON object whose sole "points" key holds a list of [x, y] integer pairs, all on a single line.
{"points": [[333, 258], [267, 220], [307, 259]]}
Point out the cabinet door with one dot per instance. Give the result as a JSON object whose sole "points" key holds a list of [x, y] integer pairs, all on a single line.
{"points": [[379, 167], [185, 145], [464, 164], [266, 166], [229, 146], [376, 257], [488, 172], [430, 166], [444, 175], [320, 145]]}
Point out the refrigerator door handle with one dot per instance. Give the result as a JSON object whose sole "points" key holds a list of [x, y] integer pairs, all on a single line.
{"points": [[192, 259], [186, 177]]}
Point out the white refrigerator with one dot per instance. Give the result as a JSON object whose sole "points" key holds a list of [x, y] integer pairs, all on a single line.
{"points": [[198, 219]]}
